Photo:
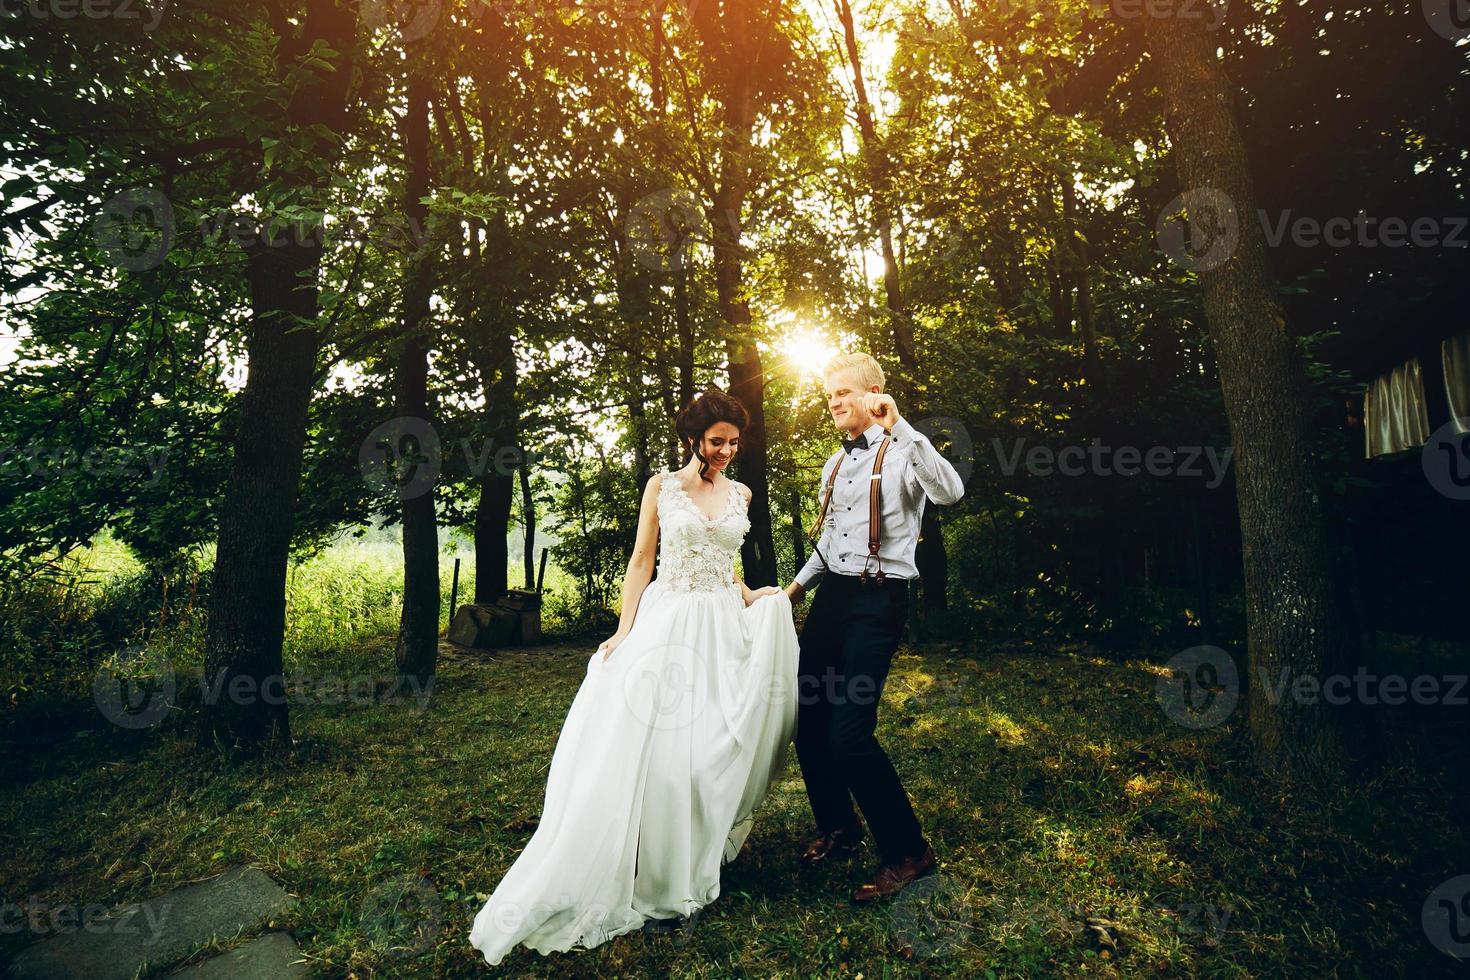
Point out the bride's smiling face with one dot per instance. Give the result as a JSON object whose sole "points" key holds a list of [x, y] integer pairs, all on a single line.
{"points": [[719, 445]]}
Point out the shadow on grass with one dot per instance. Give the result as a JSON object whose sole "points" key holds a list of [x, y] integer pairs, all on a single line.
{"points": [[1079, 832]]}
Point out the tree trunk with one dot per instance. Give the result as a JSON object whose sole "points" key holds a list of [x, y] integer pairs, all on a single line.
{"points": [[798, 538], [1059, 289], [634, 306], [528, 513], [1079, 271], [747, 384], [1002, 255], [247, 614], [929, 557], [882, 186], [418, 626], [685, 327], [1297, 618], [747, 378], [497, 489]]}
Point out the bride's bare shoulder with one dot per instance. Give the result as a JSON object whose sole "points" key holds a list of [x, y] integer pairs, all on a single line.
{"points": [[744, 490]]}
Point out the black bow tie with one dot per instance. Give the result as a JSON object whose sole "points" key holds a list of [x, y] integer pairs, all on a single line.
{"points": [[861, 442]]}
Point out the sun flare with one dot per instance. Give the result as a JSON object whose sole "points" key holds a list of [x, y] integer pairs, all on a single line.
{"points": [[807, 351]]}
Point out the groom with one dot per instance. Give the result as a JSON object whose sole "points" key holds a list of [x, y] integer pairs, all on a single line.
{"points": [[871, 504]]}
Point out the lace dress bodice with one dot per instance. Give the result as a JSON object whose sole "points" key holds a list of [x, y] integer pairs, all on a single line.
{"points": [[697, 554]]}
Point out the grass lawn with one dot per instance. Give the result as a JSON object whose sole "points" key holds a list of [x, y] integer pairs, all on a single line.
{"points": [[1079, 832]]}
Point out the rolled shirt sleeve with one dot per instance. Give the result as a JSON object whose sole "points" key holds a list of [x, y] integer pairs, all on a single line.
{"points": [[934, 474], [811, 573]]}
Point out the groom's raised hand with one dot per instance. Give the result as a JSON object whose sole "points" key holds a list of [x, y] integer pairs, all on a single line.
{"points": [[882, 407]]}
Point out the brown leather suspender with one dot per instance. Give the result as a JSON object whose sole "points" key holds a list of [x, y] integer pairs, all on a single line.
{"points": [[875, 513], [816, 530], [875, 510]]}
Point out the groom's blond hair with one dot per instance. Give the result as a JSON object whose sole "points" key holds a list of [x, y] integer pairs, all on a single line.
{"points": [[864, 366]]}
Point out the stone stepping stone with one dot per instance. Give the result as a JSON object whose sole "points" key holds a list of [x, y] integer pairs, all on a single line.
{"points": [[159, 932], [274, 956]]}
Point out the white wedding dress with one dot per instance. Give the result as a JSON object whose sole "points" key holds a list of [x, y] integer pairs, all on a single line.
{"points": [[666, 750]]}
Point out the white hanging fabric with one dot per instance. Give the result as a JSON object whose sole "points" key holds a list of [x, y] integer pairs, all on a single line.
{"points": [[1455, 355], [1394, 414]]}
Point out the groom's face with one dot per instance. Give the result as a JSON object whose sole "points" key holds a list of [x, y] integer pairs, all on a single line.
{"points": [[845, 401]]}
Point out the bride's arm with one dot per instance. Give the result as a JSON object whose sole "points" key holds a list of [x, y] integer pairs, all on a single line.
{"points": [[640, 566], [746, 594]]}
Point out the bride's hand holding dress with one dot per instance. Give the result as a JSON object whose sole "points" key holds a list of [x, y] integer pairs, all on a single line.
{"points": [[761, 593]]}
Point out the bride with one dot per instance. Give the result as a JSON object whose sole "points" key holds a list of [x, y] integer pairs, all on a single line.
{"points": [[677, 729]]}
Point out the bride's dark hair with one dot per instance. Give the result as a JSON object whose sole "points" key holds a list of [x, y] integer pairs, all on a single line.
{"points": [[694, 420]]}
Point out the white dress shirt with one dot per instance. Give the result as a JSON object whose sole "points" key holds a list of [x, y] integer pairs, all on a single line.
{"points": [[913, 471]]}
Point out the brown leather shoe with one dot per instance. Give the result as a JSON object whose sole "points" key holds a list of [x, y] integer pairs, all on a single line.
{"points": [[894, 878], [833, 846]]}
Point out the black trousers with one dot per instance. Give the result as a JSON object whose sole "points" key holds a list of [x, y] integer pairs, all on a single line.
{"points": [[847, 644]]}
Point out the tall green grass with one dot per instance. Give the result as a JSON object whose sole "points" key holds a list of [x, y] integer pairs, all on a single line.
{"points": [[99, 602]]}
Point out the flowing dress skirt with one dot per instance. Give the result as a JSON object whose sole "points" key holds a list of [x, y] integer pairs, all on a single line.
{"points": [[667, 749]]}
